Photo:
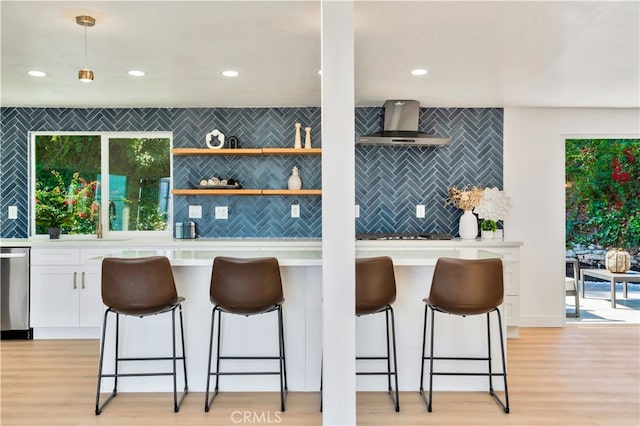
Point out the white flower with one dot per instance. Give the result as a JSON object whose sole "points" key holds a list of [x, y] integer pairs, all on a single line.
{"points": [[494, 205]]}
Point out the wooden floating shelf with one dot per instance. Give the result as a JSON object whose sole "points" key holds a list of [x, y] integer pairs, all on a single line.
{"points": [[223, 151], [247, 151], [291, 151], [217, 192], [246, 192], [292, 192]]}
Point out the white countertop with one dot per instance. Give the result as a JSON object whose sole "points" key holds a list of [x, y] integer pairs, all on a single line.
{"points": [[229, 243], [312, 256]]}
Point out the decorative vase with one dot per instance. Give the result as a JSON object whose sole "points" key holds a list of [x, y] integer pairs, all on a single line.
{"points": [[294, 180], [307, 137], [617, 261], [54, 233], [298, 141], [468, 227]]}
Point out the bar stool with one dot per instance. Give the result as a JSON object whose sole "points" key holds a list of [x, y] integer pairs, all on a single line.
{"points": [[245, 287], [140, 287], [465, 287], [375, 292]]}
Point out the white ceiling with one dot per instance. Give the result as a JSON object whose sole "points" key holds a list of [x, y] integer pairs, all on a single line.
{"points": [[478, 53]]}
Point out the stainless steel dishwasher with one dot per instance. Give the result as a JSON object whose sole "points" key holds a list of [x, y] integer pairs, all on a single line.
{"points": [[14, 293]]}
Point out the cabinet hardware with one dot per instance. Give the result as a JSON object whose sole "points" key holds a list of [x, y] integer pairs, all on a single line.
{"points": [[83, 287], [75, 279]]}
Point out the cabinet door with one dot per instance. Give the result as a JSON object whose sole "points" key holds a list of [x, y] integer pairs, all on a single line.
{"points": [[54, 296], [91, 309]]}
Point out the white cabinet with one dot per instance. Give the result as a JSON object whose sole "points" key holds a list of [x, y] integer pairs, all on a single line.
{"points": [[65, 293], [511, 288]]}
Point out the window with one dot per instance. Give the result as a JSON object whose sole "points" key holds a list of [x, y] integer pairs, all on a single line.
{"points": [[71, 191]]}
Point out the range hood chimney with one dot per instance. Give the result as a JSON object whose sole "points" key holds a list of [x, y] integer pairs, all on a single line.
{"points": [[401, 127]]}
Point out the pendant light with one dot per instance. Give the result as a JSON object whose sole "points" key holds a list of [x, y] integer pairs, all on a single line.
{"points": [[85, 75]]}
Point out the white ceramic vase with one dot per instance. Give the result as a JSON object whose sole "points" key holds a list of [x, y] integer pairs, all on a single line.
{"points": [[297, 144], [468, 228], [307, 137], [294, 182]]}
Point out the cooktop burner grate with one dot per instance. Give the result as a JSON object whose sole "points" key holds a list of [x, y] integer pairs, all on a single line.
{"points": [[405, 236]]}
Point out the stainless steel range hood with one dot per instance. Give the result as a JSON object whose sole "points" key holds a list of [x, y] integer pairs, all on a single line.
{"points": [[401, 127]]}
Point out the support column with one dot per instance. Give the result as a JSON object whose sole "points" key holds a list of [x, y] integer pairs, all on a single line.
{"points": [[338, 222]]}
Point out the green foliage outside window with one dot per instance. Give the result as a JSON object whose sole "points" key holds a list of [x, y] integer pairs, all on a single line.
{"points": [[603, 192], [68, 171]]}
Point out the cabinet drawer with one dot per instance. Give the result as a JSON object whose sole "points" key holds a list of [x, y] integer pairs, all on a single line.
{"points": [[55, 256], [93, 257], [512, 310]]}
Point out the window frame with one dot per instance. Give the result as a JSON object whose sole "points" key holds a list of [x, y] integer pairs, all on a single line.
{"points": [[104, 186]]}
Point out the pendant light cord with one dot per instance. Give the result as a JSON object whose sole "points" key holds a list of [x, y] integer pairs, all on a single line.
{"points": [[85, 46]]}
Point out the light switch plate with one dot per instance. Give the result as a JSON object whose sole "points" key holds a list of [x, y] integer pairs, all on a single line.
{"points": [[420, 211], [195, 212], [13, 212], [222, 212], [357, 210], [295, 210]]}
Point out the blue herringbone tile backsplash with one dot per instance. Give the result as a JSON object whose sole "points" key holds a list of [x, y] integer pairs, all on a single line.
{"points": [[390, 181]]}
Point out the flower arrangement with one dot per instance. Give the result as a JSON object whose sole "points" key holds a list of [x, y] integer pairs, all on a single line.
{"points": [[466, 198], [493, 206]]}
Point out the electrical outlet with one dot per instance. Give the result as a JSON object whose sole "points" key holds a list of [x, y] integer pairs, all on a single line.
{"points": [[13, 212], [195, 212], [420, 211], [222, 212], [295, 210], [357, 210]]}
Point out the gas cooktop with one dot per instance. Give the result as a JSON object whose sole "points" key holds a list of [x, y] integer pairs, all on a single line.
{"points": [[405, 236]]}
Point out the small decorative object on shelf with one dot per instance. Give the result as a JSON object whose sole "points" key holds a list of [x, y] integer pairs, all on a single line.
{"points": [[487, 229], [215, 134], [233, 142], [298, 139], [294, 182], [307, 138], [618, 261], [466, 199]]}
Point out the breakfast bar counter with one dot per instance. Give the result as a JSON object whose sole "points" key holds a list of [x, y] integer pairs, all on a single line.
{"points": [[302, 282], [62, 309]]}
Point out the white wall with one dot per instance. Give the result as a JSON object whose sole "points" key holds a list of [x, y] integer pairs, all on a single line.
{"points": [[534, 140]]}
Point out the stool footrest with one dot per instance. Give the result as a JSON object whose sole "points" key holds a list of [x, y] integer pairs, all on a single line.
{"points": [[244, 373], [169, 358], [137, 374], [442, 373], [249, 357]]}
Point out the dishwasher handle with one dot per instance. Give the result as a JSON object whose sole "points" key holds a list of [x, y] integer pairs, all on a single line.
{"points": [[11, 255]]}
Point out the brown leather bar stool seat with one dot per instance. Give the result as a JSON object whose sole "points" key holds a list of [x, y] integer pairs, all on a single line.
{"points": [[248, 287], [465, 287], [140, 287], [375, 293]]}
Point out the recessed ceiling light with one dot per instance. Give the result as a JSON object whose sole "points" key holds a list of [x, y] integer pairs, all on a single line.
{"points": [[35, 73], [136, 73], [419, 71], [230, 73]]}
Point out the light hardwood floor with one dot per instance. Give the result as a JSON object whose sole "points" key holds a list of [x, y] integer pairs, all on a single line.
{"points": [[577, 375]]}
